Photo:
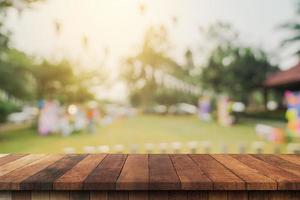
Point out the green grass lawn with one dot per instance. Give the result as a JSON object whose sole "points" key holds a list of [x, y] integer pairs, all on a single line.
{"points": [[139, 130]]}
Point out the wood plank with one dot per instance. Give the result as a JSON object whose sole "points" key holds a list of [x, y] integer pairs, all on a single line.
{"points": [[11, 166], [222, 178], [5, 195], [40, 195], [138, 195], [74, 178], [135, 173], [13, 179], [79, 195], [105, 175], [240, 195], [44, 179], [178, 195], [254, 180], [217, 195], [10, 158], [197, 195], [285, 180], [158, 195], [118, 195], [280, 195], [291, 158], [162, 175], [189, 173], [281, 163], [98, 195], [258, 195], [59, 195], [21, 195]]}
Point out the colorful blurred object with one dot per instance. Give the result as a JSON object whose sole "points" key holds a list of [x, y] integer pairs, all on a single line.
{"points": [[270, 133], [293, 114]]}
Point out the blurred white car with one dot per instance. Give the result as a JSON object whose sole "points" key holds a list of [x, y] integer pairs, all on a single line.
{"points": [[27, 114]]}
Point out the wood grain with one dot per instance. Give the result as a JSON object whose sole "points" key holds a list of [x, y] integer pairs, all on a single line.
{"points": [[40, 195], [253, 180], [79, 195], [59, 195], [285, 180], [5, 195], [138, 195], [197, 195], [162, 175], [120, 195], [13, 179], [189, 173], [10, 158], [73, 179], [44, 179], [105, 175], [21, 195], [158, 195], [281, 163], [291, 158], [98, 195], [222, 178], [11, 166], [135, 173]]}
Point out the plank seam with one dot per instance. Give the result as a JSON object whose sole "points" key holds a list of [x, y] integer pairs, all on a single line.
{"points": [[277, 183], [121, 172], [189, 155], [175, 170], [232, 171]]}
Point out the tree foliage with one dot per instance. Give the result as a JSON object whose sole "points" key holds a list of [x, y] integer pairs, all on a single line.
{"points": [[294, 28], [235, 69]]}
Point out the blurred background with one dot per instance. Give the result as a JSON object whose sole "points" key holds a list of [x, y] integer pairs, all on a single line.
{"points": [[149, 76]]}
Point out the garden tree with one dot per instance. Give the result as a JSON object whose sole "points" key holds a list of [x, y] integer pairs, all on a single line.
{"points": [[235, 70], [16, 81], [144, 91], [15, 77], [294, 27], [60, 81]]}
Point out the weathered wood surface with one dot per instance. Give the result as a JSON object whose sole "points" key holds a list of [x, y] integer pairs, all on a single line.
{"points": [[115, 172], [150, 195]]}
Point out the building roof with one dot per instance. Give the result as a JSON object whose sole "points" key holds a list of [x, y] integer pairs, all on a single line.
{"points": [[284, 78]]}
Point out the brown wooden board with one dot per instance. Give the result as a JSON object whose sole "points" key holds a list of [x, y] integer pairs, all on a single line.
{"points": [[12, 180], [291, 157], [73, 179], [120, 195], [79, 195], [44, 179], [21, 195], [281, 163], [162, 175], [237, 195], [105, 175], [98, 195], [285, 180], [10, 158], [222, 178], [135, 173], [11, 166], [138, 195], [197, 195], [59, 195], [253, 180], [189, 173]]}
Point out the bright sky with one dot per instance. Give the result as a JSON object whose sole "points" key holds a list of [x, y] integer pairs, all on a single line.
{"points": [[118, 26]]}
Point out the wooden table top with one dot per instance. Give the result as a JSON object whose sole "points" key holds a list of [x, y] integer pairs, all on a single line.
{"points": [[149, 172]]}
